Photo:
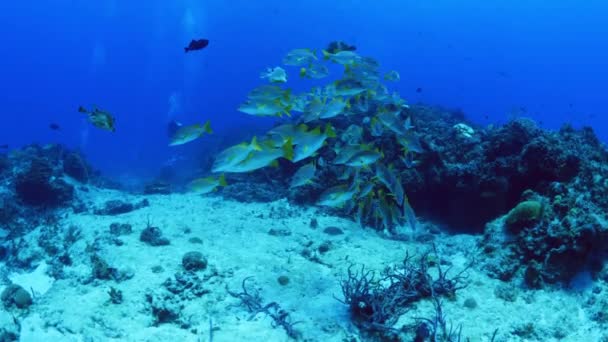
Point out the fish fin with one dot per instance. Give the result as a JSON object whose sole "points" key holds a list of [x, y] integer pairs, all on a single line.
{"points": [[207, 127], [329, 131], [326, 54], [186, 49], [254, 143], [288, 149], [222, 180]]}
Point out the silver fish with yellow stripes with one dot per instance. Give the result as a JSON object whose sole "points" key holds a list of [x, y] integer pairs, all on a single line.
{"points": [[234, 155], [314, 71], [337, 196], [258, 159], [392, 76], [303, 176], [207, 184], [265, 108], [275, 75], [308, 143], [186, 134], [342, 57], [298, 57]]}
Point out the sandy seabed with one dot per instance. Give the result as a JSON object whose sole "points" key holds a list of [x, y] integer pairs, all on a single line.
{"points": [[264, 241]]}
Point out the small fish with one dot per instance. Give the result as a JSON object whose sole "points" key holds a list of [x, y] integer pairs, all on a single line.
{"points": [[376, 127], [345, 153], [310, 142], [269, 93], [334, 108], [55, 127], [409, 214], [419, 90], [342, 57], [234, 155], [336, 196], [186, 134], [265, 108], [303, 176], [392, 76], [388, 177], [314, 71], [298, 57], [196, 44], [348, 87], [275, 75], [207, 184], [364, 158], [260, 159], [367, 189], [392, 121], [337, 46], [99, 118]]}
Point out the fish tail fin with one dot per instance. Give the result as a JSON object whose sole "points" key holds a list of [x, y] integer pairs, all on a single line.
{"points": [[329, 131], [222, 180], [207, 127], [326, 54], [255, 145], [288, 149]]}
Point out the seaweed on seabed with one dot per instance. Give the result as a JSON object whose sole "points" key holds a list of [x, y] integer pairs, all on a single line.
{"points": [[253, 302], [436, 328], [377, 301]]}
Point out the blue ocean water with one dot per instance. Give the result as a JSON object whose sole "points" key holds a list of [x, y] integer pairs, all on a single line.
{"points": [[493, 60]]}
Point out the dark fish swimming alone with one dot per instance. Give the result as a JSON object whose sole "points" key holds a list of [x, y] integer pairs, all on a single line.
{"points": [[196, 44], [54, 126], [99, 118]]}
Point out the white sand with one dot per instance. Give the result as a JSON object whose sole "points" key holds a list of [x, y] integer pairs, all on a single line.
{"points": [[237, 245]]}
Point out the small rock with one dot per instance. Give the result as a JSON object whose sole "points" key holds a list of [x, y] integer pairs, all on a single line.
{"points": [[470, 303], [153, 236], [195, 240], [17, 296], [324, 247], [333, 231], [117, 207], [279, 232], [157, 269], [506, 292], [121, 229], [194, 261], [101, 269]]}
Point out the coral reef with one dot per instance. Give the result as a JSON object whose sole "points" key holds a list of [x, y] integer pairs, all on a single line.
{"points": [[377, 302], [37, 187], [153, 236], [117, 207], [76, 167], [254, 304]]}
